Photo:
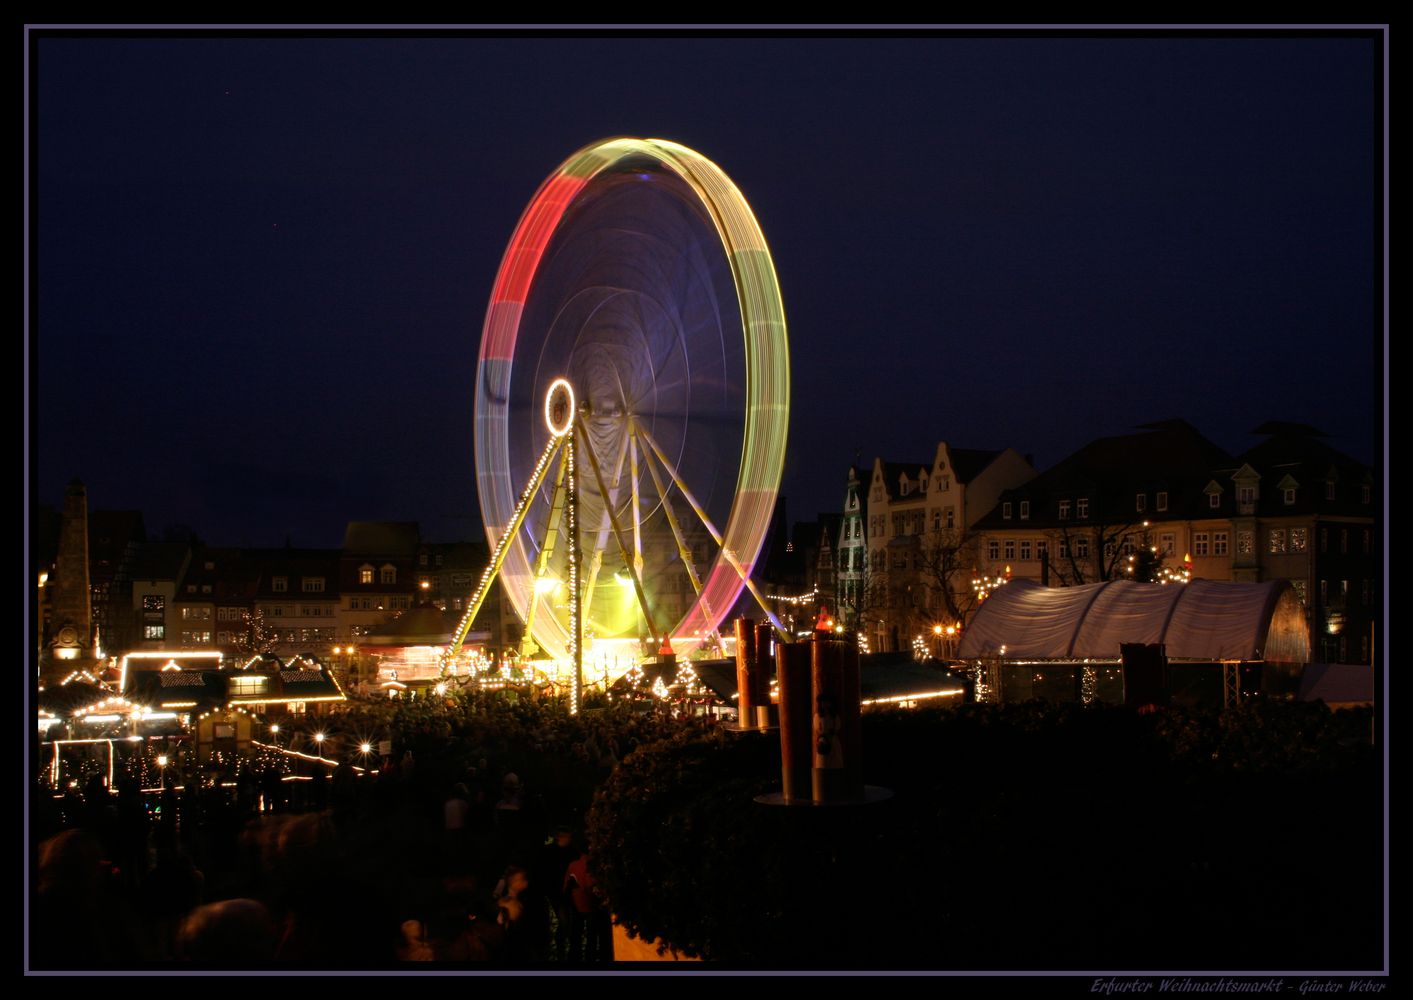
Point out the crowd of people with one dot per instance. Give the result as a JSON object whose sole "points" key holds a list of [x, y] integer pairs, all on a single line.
{"points": [[463, 843]]}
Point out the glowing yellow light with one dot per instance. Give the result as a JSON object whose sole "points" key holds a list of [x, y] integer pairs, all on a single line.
{"points": [[43, 579], [337, 650], [365, 747], [318, 737], [937, 630], [559, 407], [162, 760]]}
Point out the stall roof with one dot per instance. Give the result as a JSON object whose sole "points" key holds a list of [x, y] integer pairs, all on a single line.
{"points": [[1201, 620]]}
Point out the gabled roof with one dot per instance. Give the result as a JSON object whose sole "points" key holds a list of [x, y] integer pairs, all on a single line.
{"points": [[968, 463], [160, 561]]}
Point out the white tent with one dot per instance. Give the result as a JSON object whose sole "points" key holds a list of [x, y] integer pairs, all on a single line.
{"points": [[1201, 620]]}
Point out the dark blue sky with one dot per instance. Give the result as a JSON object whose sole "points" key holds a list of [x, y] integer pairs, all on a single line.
{"points": [[263, 263]]}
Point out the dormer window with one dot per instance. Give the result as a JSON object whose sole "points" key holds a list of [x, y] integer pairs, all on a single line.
{"points": [[1081, 508], [1140, 502], [1214, 500], [365, 573], [1064, 510], [1005, 511], [1288, 495], [388, 573], [1025, 510], [279, 584], [1162, 500]]}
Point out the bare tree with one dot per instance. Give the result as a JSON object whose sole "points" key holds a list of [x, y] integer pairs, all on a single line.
{"points": [[947, 563]]}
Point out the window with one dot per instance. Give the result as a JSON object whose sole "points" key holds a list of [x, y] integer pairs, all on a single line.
{"points": [[1343, 588], [1324, 539], [388, 574], [1219, 543], [1343, 540], [1201, 543], [1064, 510], [1299, 539], [196, 614], [1275, 541], [1006, 511], [257, 684], [1081, 547], [1330, 490], [1025, 510], [154, 632], [936, 520], [421, 559], [1366, 592], [1246, 495], [1140, 502], [945, 483], [1010, 548], [279, 584], [1042, 549], [277, 612], [154, 603], [1301, 591], [1214, 500], [1162, 500], [1025, 549], [1288, 495], [365, 574], [1245, 542], [1368, 541], [1063, 548], [1081, 508], [1167, 542], [312, 584], [439, 555], [1324, 591], [223, 638], [206, 588], [1364, 498], [951, 518], [993, 549], [191, 588]]}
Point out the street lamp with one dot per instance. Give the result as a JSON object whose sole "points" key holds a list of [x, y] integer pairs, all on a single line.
{"points": [[319, 741]]}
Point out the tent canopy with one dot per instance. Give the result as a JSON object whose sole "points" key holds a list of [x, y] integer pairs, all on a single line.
{"points": [[1201, 620]]}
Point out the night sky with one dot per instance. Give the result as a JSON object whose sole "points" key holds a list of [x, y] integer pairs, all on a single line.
{"points": [[262, 264]]}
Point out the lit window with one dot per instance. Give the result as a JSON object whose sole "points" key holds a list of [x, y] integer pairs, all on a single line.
{"points": [[279, 584], [365, 574], [1245, 542], [1299, 539], [1162, 500], [249, 685], [154, 632], [153, 603], [1275, 541], [1025, 510]]}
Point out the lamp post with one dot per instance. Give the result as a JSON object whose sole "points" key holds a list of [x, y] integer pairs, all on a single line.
{"points": [[319, 743]]}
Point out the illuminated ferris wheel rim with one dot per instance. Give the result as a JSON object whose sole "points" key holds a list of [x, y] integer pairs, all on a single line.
{"points": [[766, 358]]}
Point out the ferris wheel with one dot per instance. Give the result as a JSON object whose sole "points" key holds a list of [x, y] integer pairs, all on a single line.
{"points": [[632, 400]]}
